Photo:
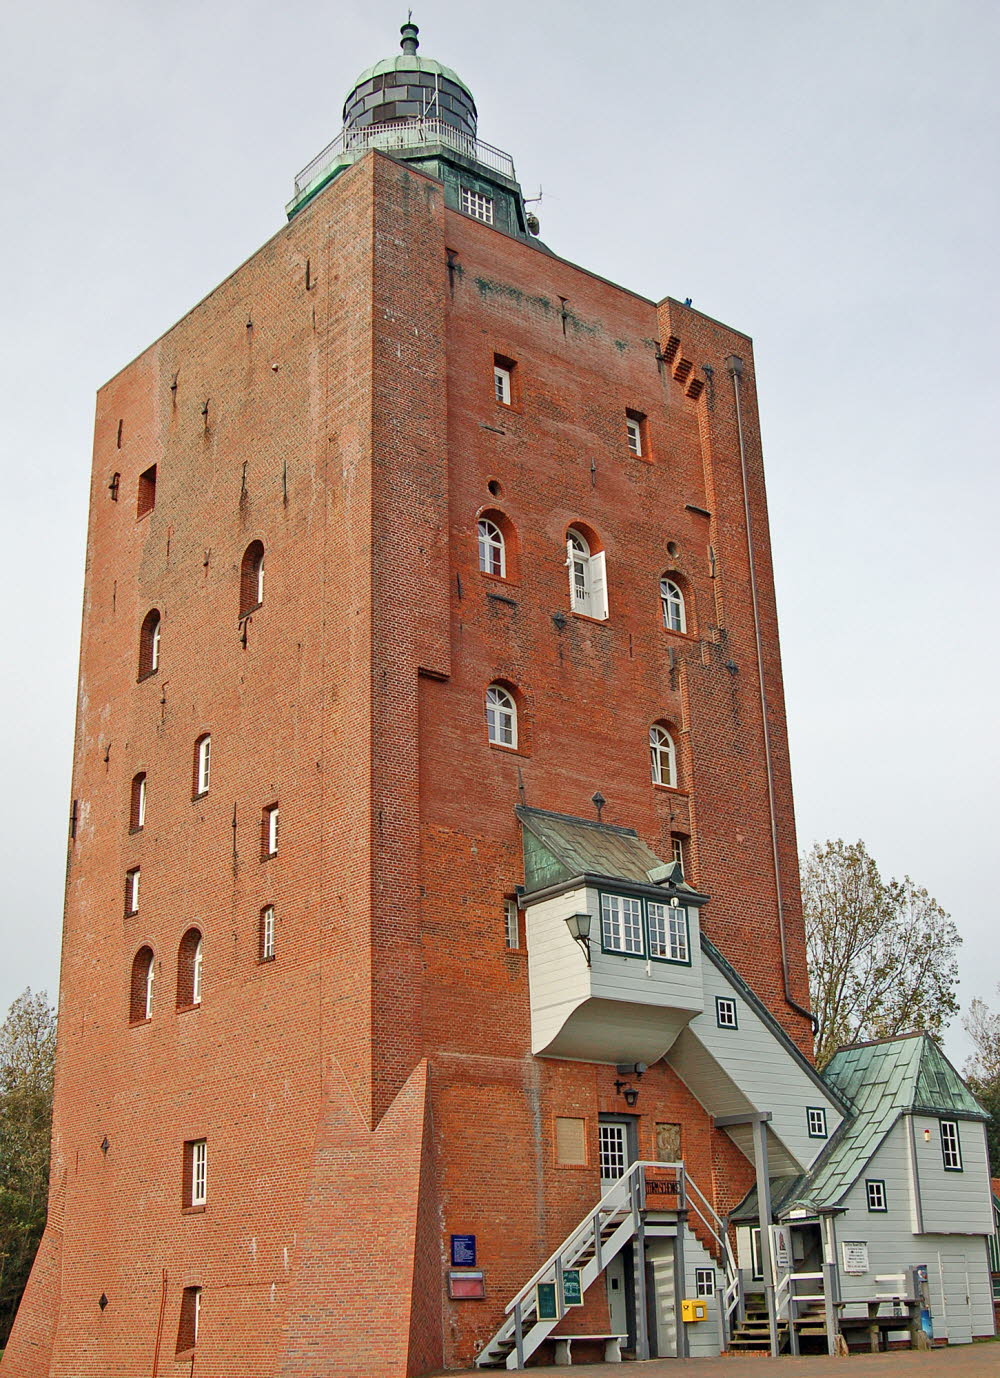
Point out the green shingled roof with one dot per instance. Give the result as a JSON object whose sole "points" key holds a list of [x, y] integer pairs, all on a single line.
{"points": [[411, 62], [559, 847], [882, 1081]]}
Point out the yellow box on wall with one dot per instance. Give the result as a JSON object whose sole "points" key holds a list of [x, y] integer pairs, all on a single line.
{"points": [[694, 1311]]}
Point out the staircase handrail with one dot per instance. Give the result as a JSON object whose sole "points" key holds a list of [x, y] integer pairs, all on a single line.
{"points": [[623, 1188]]}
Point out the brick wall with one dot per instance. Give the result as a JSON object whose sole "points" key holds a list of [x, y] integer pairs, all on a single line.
{"points": [[371, 1090]]}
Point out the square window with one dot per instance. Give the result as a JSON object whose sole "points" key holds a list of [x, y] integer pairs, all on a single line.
{"points": [[195, 1192], [704, 1279], [511, 924], [725, 1012], [132, 891], [621, 925], [816, 1121], [477, 205], [571, 1141], [269, 831], [875, 1192], [147, 492], [951, 1146], [668, 932]]}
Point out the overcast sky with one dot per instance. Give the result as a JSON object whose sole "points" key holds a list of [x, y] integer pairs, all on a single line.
{"points": [[822, 176]]}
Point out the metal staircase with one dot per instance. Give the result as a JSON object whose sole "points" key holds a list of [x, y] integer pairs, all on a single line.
{"points": [[616, 1219]]}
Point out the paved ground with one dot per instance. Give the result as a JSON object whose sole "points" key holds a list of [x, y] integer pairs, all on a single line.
{"points": [[960, 1361]]}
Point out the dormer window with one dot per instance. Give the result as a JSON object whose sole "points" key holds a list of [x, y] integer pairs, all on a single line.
{"points": [[477, 205]]}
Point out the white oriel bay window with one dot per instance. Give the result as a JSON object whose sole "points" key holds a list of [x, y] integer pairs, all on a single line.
{"points": [[645, 928]]}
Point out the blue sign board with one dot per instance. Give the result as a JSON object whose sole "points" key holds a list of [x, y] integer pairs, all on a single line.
{"points": [[463, 1250]]}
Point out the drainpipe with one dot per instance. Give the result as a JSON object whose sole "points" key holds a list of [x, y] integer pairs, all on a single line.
{"points": [[735, 366]]}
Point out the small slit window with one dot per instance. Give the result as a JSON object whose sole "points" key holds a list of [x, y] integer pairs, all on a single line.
{"points": [[269, 831], [132, 891], [492, 549], [501, 716], [267, 945], [252, 578], [678, 850], [202, 765], [137, 803], [662, 756], [635, 426], [149, 644], [141, 992], [195, 1182], [190, 962], [146, 500], [190, 1318], [672, 605], [511, 924]]}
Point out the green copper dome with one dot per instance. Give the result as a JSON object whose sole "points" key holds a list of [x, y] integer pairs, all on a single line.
{"points": [[407, 88]]}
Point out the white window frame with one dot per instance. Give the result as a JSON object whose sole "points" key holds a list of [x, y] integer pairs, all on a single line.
{"points": [[199, 1172], [668, 932], [267, 933], [662, 752], [197, 965], [875, 1195], [501, 717], [705, 1282], [622, 926], [588, 581], [502, 385], [203, 770], [492, 549], [633, 429], [511, 924], [677, 850], [150, 981], [612, 1150], [672, 606], [816, 1122], [154, 647], [726, 1012], [476, 204], [271, 830], [132, 890], [259, 578], [951, 1146], [196, 1319], [140, 803]]}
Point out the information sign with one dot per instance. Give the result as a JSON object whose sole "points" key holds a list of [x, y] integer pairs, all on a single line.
{"points": [[463, 1250], [546, 1301], [855, 1256], [572, 1287]]}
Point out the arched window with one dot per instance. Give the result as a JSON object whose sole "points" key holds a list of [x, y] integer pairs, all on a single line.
{"points": [[149, 644], [252, 578], [662, 756], [189, 969], [588, 585], [141, 992], [137, 804], [202, 764], [492, 549], [672, 604], [501, 716]]}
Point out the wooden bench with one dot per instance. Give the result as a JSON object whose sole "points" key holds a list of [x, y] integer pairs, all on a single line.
{"points": [[612, 1346]]}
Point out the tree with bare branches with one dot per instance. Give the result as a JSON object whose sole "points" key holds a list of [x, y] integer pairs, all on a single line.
{"points": [[982, 1071], [881, 953]]}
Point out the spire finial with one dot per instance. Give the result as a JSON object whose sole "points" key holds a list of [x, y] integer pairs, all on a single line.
{"points": [[409, 42]]}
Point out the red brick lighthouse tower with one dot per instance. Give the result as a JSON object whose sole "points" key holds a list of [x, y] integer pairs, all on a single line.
{"points": [[433, 861]]}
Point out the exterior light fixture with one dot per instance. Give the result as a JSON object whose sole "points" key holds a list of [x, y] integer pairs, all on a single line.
{"points": [[927, 1136], [579, 931], [631, 1093]]}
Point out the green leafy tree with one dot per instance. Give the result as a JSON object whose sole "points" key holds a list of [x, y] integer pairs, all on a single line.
{"points": [[881, 952], [982, 1071], [27, 1060]]}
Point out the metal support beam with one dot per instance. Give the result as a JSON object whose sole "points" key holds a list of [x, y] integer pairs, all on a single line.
{"points": [[639, 1268], [764, 1215]]}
